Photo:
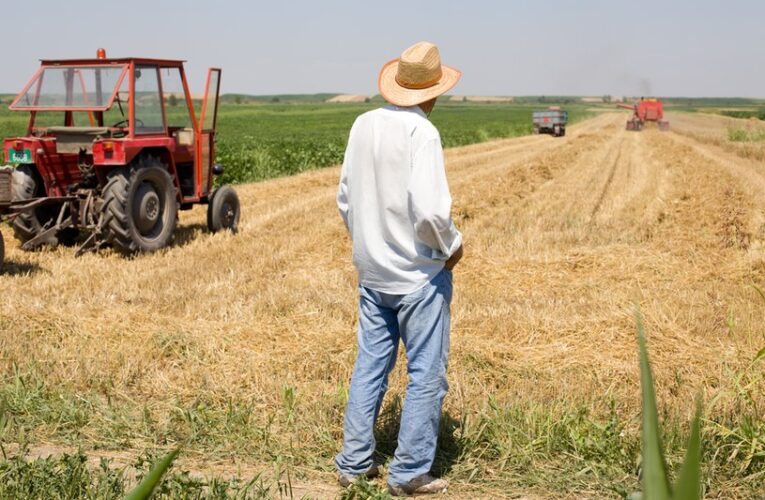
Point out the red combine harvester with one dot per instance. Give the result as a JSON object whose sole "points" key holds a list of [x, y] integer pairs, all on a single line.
{"points": [[112, 151], [646, 110]]}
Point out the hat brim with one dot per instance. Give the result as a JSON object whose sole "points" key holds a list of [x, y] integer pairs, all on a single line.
{"points": [[402, 96]]}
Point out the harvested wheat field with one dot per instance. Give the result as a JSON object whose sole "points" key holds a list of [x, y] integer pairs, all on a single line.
{"points": [[241, 346], [348, 98]]}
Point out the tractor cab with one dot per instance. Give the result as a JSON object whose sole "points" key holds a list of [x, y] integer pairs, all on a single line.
{"points": [[110, 110], [94, 120]]}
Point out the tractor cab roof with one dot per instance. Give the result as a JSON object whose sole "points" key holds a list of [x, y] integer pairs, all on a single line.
{"points": [[89, 84], [112, 61]]}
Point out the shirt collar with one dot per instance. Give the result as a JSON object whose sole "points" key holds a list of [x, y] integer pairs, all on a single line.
{"points": [[413, 109]]}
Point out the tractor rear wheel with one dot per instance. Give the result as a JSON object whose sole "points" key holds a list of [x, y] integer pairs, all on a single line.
{"points": [[27, 184], [139, 209], [223, 210]]}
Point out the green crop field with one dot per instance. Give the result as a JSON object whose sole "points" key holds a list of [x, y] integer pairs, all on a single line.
{"points": [[752, 113], [259, 141]]}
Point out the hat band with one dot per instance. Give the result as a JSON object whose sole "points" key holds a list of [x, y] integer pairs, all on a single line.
{"points": [[419, 85]]}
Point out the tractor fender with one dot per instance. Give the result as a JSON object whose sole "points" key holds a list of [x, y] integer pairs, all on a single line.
{"points": [[167, 159], [160, 152]]}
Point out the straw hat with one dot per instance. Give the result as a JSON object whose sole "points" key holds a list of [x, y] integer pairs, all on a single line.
{"points": [[417, 76]]}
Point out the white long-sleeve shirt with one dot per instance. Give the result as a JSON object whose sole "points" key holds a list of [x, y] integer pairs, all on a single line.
{"points": [[395, 200]]}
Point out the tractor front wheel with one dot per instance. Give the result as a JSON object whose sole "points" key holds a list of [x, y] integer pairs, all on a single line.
{"points": [[139, 210], [223, 210], [25, 185]]}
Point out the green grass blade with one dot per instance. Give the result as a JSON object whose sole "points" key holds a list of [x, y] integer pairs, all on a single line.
{"points": [[144, 490], [655, 482], [688, 485], [759, 356]]}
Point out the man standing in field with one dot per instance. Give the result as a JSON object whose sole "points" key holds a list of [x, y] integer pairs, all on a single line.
{"points": [[395, 202]]}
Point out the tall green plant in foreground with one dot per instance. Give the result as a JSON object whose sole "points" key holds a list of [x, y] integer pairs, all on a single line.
{"points": [[145, 489], [656, 484]]}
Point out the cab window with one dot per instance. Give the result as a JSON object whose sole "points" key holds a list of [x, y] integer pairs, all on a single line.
{"points": [[148, 104], [177, 110]]}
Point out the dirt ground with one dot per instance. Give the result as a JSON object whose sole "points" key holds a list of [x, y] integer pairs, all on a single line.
{"points": [[563, 237]]}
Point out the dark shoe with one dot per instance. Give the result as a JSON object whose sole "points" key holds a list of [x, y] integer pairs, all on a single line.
{"points": [[346, 480], [423, 485]]}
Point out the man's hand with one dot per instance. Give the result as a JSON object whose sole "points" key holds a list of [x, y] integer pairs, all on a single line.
{"points": [[452, 261]]}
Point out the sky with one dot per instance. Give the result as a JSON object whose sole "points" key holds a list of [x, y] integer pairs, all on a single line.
{"points": [[513, 47]]}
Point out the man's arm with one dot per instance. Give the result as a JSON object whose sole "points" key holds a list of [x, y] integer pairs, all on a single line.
{"points": [[431, 202], [342, 190], [342, 195]]}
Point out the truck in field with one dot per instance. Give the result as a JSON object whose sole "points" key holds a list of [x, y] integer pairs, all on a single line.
{"points": [[551, 121]]}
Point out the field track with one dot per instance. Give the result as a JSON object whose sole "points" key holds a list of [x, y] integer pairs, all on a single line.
{"points": [[562, 238]]}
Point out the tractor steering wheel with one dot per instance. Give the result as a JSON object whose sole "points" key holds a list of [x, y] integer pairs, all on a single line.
{"points": [[123, 123]]}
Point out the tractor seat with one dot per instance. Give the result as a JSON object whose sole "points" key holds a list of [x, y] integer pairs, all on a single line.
{"points": [[73, 139]]}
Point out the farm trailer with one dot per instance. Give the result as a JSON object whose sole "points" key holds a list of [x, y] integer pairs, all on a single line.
{"points": [[106, 155], [551, 121]]}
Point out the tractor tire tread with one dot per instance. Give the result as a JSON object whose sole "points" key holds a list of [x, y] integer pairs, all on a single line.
{"points": [[115, 220], [23, 187]]}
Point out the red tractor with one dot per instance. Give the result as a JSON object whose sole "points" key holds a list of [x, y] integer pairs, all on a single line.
{"points": [[113, 150], [646, 110]]}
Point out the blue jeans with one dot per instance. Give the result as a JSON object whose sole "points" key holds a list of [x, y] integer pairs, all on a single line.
{"points": [[421, 320]]}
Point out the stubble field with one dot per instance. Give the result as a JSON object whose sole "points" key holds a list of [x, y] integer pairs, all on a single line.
{"points": [[241, 346]]}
